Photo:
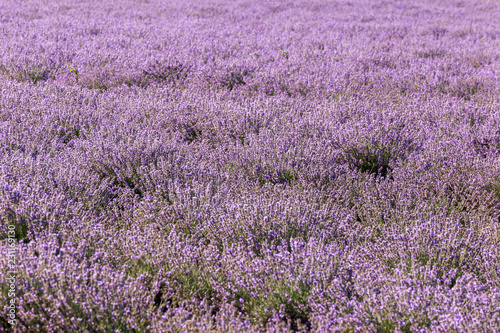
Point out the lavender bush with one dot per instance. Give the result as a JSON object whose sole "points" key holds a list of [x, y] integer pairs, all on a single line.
{"points": [[233, 166]]}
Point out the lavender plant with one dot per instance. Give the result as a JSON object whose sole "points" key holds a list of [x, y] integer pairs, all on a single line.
{"points": [[249, 166]]}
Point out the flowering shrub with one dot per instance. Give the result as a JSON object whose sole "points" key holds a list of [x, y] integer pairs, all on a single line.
{"points": [[249, 166]]}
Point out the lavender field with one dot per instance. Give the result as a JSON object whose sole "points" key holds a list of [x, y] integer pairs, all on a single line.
{"points": [[250, 166]]}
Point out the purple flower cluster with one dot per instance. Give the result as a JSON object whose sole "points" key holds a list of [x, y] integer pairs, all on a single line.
{"points": [[233, 166]]}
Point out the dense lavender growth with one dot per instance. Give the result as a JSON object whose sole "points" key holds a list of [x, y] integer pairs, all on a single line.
{"points": [[233, 166]]}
